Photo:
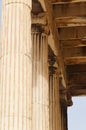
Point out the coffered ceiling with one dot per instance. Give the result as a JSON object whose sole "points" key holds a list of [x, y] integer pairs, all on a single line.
{"points": [[68, 18]]}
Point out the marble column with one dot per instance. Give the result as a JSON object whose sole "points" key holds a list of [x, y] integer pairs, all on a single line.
{"points": [[16, 66], [40, 79], [55, 122], [65, 101], [64, 117]]}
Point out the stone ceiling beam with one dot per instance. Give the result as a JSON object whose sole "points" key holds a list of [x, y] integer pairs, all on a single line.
{"points": [[69, 9], [78, 92], [68, 33], [74, 52], [66, 1], [52, 24], [75, 60], [73, 43], [80, 68], [77, 79], [70, 22]]}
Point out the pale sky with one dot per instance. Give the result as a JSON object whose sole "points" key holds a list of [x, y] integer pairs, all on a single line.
{"points": [[77, 114]]}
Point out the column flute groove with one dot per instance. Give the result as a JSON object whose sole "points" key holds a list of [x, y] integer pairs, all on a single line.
{"points": [[16, 66], [40, 80], [54, 104]]}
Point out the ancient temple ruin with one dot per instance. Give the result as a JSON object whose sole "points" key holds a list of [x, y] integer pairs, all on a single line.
{"points": [[42, 62]]}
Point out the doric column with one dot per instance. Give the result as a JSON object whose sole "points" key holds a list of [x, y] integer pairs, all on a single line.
{"points": [[54, 102], [40, 78], [16, 66]]}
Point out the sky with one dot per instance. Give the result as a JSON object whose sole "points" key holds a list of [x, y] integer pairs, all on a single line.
{"points": [[77, 114]]}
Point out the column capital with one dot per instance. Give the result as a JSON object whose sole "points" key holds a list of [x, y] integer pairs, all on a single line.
{"points": [[40, 23], [52, 70], [38, 28], [65, 97], [52, 61], [40, 18], [24, 2]]}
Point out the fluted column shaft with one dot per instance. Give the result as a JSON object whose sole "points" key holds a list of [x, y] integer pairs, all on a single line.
{"points": [[16, 66], [55, 122], [64, 117], [40, 80]]}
